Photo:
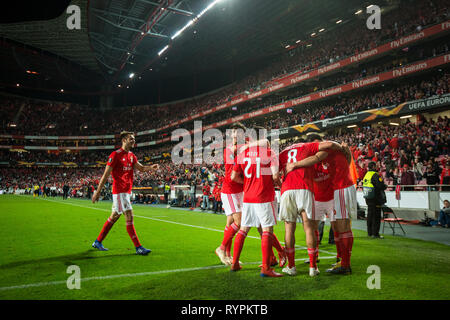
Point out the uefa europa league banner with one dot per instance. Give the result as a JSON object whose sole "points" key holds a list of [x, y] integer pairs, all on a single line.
{"points": [[366, 116]]}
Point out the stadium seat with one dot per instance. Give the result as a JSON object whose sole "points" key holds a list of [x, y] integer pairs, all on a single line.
{"points": [[392, 222]]}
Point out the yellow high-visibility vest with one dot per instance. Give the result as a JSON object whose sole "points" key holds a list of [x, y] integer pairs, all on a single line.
{"points": [[367, 181]]}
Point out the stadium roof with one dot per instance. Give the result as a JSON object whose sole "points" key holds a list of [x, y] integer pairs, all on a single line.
{"points": [[123, 37]]}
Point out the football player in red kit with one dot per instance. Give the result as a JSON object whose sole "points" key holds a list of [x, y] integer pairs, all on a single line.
{"points": [[121, 164], [297, 198], [232, 196], [344, 204], [257, 169]]}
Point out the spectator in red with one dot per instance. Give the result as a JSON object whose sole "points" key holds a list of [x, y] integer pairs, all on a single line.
{"points": [[407, 178], [217, 198], [206, 189], [445, 176], [393, 143]]}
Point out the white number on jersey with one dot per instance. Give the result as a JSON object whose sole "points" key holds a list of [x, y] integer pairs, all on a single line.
{"points": [[249, 163], [292, 156]]}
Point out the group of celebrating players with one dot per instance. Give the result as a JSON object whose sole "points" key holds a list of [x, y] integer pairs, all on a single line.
{"points": [[315, 182]]}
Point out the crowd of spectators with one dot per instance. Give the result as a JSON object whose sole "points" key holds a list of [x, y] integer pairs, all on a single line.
{"points": [[70, 119]]}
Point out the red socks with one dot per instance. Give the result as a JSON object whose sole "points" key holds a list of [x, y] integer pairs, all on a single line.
{"points": [[106, 227], [228, 248], [276, 243], [337, 241], [132, 233], [228, 236], [238, 245], [291, 257], [346, 239], [266, 247], [316, 232], [312, 257]]}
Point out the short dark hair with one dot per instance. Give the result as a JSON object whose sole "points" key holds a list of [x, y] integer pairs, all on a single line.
{"points": [[314, 136], [237, 125], [372, 165], [125, 134]]}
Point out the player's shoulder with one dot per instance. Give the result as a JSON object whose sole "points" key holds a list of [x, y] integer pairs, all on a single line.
{"points": [[294, 146]]}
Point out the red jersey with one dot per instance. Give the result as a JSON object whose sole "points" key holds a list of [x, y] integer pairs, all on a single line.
{"points": [[301, 178], [339, 169], [256, 165], [122, 164], [229, 186], [206, 190], [323, 189]]}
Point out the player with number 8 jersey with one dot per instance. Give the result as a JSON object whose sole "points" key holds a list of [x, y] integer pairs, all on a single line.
{"points": [[296, 195]]}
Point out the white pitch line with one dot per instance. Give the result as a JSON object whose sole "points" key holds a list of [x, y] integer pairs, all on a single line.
{"points": [[127, 275], [168, 221]]}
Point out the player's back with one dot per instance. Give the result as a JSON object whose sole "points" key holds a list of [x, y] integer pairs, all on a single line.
{"points": [[323, 188], [255, 165], [301, 178], [340, 173]]}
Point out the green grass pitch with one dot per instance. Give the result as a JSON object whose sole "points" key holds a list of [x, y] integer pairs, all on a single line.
{"points": [[41, 238]]}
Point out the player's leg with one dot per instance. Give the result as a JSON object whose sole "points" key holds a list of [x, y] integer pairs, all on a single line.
{"points": [[234, 229], [288, 214], [266, 213], [104, 232], [310, 226], [232, 206], [229, 232], [337, 242], [140, 250], [345, 206], [289, 240], [125, 204], [238, 245]]}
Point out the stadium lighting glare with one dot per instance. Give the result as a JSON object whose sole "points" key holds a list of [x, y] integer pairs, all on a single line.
{"points": [[212, 4], [12, 125], [298, 41], [339, 21], [119, 86], [352, 126], [321, 30], [406, 117], [163, 50], [313, 34], [62, 90], [358, 12], [309, 45], [191, 22], [17, 84], [287, 47], [131, 75], [369, 6], [394, 123]]}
